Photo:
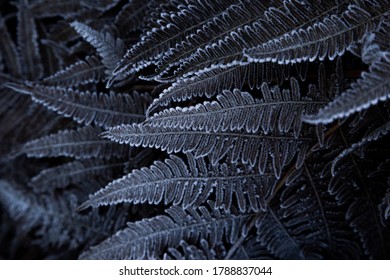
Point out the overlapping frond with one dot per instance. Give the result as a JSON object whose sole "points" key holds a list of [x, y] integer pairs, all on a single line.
{"points": [[147, 238], [172, 29], [214, 80], [52, 220], [218, 129], [328, 38], [246, 148], [245, 163], [362, 198], [251, 27]]}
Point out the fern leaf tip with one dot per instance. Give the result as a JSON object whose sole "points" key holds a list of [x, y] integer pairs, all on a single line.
{"points": [[105, 134], [83, 206], [20, 88]]}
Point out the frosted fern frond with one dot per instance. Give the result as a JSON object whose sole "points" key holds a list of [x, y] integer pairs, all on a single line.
{"points": [[189, 185], [243, 147], [209, 82], [373, 136], [251, 29], [82, 143], [372, 87], [109, 48], [72, 173], [146, 239], [104, 110], [236, 110], [328, 38], [82, 72], [173, 27]]}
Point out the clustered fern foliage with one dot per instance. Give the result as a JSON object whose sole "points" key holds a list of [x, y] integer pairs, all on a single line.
{"points": [[195, 129]]}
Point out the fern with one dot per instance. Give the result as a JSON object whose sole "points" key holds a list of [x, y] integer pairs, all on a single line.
{"points": [[102, 5], [109, 48], [369, 90], [385, 206], [53, 8], [373, 136], [72, 173], [82, 143], [237, 111], [8, 49], [130, 16], [173, 27], [53, 222], [281, 244], [212, 81], [104, 110], [147, 238], [82, 72], [326, 39], [28, 44], [253, 28], [382, 172], [245, 164], [362, 213], [194, 252], [173, 181]]}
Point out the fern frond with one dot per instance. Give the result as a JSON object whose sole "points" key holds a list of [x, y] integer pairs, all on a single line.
{"points": [[372, 136], [82, 72], [273, 234], [55, 8], [328, 38], [251, 249], [209, 82], [236, 110], [352, 188], [217, 27], [372, 87], [131, 16], [173, 27], [101, 5], [381, 177], [307, 207], [243, 147], [376, 44], [52, 220], [109, 48], [188, 185], [384, 206], [146, 239], [27, 37], [71, 173], [104, 110], [9, 50], [195, 252], [82, 143], [250, 30]]}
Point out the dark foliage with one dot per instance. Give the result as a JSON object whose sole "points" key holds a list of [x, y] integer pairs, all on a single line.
{"points": [[195, 129]]}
